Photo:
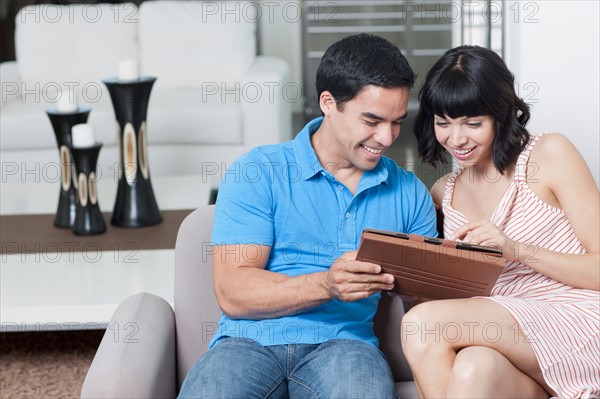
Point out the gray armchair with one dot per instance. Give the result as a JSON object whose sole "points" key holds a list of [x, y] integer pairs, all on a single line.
{"points": [[157, 346]]}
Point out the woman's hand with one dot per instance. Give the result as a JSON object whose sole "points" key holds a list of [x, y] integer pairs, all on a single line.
{"points": [[484, 232]]}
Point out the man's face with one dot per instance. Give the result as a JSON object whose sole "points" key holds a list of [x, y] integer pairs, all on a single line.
{"points": [[365, 126]]}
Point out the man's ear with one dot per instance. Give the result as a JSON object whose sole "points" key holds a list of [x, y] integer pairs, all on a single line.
{"points": [[327, 102]]}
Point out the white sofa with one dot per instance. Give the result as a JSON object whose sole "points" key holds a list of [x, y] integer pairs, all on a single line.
{"points": [[213, 100]]}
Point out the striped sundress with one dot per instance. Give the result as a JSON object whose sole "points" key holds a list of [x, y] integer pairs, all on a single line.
{"points": [[561, 322]]}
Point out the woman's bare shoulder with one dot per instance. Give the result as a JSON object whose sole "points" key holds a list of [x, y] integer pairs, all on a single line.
{"points": [[555, 154]]}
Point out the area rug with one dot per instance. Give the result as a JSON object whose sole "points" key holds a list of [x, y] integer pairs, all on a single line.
{"points": [[45, 364]]}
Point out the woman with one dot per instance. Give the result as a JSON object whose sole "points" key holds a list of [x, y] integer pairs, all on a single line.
{"points": [[538, 333]]}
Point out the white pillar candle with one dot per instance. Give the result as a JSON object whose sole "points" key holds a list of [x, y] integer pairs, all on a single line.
{"points": [[67, 102], [128, 70], [82, 135]]}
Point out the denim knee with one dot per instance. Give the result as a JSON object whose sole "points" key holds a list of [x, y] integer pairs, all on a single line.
{"points": [[235, 368], [343, 369]]}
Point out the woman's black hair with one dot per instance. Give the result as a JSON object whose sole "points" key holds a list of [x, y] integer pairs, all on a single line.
{"points": [[360, 60], [472, 81]]}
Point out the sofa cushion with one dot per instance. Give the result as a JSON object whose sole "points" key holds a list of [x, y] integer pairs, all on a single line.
{"points": [[218, 46], [174, 117], [190, 117], [25, 125], [74, 43]]}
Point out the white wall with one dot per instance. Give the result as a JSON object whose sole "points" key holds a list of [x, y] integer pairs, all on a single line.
{"points": [[552, 48], [281, 36]]}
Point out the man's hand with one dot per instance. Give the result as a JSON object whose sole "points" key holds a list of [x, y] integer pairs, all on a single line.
{"points": [[350, 280]]}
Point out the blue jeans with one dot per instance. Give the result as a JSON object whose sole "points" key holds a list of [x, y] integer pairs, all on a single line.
{"points": [[242, 368]]}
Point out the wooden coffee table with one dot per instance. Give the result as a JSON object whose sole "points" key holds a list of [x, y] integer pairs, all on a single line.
{"points": [[51, 279]]}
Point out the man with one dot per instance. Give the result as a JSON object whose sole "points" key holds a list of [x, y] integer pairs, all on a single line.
{"points": [[298, 308]]}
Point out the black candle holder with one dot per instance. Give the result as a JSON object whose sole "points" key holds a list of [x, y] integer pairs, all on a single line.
{"points": [[62, 124], [135, 205], [88, 217]]}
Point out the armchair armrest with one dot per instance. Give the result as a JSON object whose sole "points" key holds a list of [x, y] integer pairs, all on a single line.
{"points": [[267, 96], [136, 358], [10, 81]]}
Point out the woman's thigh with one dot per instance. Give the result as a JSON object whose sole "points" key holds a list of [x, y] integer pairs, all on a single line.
{"points": [[460, 323]]}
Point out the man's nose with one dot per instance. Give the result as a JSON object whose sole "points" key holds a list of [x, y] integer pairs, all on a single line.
{"points": [[386, 134]]}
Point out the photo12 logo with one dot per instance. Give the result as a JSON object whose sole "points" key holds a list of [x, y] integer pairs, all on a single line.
{"points": [[51, 92], [251, 92], [69, 252], [72, 13], [470, 12]]}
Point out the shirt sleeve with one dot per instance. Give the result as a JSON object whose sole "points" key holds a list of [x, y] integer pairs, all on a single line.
{"points": [[244, 211], [423, 219]]}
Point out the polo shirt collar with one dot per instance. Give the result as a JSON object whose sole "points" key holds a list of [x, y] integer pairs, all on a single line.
{"points": [[310, 165], [304, 152]]}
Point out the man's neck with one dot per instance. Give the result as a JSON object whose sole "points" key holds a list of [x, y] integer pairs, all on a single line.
{"points": [[342, 169]]}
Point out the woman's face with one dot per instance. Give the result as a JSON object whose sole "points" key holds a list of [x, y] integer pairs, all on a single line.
{"points": [[468, 139]]}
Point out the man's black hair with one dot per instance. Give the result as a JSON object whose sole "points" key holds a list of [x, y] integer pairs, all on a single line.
{"points": [[358, 61]]}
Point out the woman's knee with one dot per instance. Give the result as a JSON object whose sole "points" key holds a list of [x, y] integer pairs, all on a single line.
{"points": [[473, 365], [418, 332]]}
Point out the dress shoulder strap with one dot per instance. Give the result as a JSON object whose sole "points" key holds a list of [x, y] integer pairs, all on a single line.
{"points": [[449, 188], [521, 165]]}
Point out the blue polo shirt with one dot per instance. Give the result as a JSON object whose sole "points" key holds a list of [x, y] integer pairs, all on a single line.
{"points": [[282, 197]]}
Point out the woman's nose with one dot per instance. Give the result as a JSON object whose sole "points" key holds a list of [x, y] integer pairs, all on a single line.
{"points": [[457, 138]]}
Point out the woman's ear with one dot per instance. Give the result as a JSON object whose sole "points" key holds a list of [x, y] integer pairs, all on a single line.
{"points": [[326, 103]]}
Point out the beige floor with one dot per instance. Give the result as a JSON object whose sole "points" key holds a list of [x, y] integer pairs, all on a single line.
{"points": [[45, 364]]}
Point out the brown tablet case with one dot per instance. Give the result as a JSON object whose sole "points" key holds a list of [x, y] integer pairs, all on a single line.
{"points": [[432, 268]]}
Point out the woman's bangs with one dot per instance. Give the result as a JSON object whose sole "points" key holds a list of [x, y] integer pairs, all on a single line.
{"points": [[455, 96]]}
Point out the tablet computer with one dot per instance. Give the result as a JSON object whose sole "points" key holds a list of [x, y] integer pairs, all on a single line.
{"points": [[432, 268]]}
